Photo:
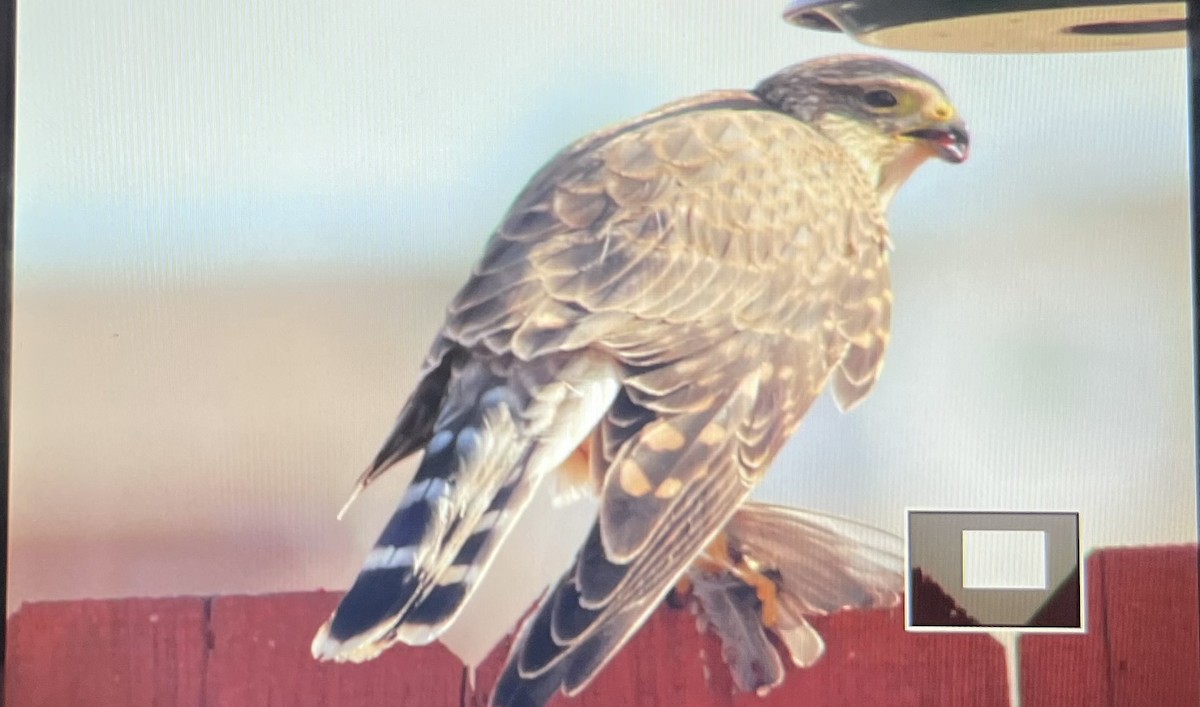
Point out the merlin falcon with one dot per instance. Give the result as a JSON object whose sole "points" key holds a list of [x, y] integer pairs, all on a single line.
{"points": [[650, 322]]}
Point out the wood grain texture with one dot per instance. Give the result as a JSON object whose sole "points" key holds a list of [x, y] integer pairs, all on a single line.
{"points": [[1153, 626], [261, 656], [1061, 670], [1142, 645], [1143, 648], [102, 653], [871, 660]]}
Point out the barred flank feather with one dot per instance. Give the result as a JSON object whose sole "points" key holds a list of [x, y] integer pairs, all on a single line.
{"points": [[495, 439]]}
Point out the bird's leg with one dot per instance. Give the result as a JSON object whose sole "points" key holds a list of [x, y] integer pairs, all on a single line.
{"points": [[714, 560], [766, 590], [678, 597], [719, 557]]}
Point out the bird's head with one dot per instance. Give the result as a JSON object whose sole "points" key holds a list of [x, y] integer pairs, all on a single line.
{"points": [[889, 116]]}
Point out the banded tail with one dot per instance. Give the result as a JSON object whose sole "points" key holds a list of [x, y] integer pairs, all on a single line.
{"points": [[499, 430]]}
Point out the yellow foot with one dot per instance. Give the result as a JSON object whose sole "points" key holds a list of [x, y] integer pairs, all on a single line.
{"points": [[768, 594], [719, 558]]}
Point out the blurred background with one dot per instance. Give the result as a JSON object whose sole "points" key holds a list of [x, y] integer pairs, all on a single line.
{"points": [[237, 225]]}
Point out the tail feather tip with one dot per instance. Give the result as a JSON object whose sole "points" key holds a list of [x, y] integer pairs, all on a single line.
{"points": [[326, 648]]}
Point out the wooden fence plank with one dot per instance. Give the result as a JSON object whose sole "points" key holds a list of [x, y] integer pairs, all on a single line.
{"points": [[1143, 648], [1143, 641], [871, 660], [105, 653], [661, 665], [1069, 670], [261, 657], [1153, 629]]}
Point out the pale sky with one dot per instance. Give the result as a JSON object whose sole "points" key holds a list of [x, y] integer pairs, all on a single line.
{"points": [[170, 141]]}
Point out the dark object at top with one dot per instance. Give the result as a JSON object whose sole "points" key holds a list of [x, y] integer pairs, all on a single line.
{"points": [[999, 26]]}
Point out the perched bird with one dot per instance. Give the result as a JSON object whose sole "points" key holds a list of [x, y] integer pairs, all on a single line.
{"points": [[816, 565], [652, 319]]}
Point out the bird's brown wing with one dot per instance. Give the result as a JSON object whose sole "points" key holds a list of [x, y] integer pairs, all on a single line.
{"points": [[710, 252], [589, 279], [558, 204], [866, 324], [826, 563], [570, 243]]}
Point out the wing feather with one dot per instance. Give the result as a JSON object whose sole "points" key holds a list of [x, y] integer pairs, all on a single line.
{"points": [[827, 563], [729, 288], [704, 250], [820, 564]]}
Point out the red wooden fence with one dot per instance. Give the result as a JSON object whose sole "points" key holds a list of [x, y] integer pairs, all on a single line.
{"points": [[1142, 648]]}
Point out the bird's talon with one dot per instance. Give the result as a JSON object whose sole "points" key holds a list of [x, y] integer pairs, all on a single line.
{"points": [[768, 594]]}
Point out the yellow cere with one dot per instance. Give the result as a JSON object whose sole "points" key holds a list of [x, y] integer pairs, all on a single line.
{"points": [[941, 110]]}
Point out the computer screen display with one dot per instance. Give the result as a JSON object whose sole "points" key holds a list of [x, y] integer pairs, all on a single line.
{"points": [[672, 351]]}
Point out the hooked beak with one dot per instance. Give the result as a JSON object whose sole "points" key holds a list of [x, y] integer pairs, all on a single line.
{"points": [[948, 141]]}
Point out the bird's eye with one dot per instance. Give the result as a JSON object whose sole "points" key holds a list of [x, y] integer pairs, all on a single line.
{"points": [[880, 98]]}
